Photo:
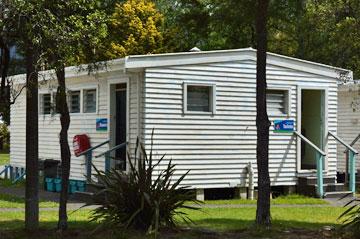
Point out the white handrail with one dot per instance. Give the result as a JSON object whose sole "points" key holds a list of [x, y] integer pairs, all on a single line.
{"points": [[310, 143], [343, 143]]}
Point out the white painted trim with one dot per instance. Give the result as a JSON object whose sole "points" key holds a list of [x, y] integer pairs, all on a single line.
{"points": [[288, 100], [212, 100], [138, 63], [90, 87], [110, 123], [298, 125]]}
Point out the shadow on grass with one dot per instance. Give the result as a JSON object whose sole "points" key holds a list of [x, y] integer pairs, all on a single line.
{"points": [[205, 229], [223, 224]]}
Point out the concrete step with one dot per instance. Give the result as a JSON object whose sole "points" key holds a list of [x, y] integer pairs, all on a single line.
{"points": [[332, 187], [93, 187], [85, 197], [339, 195], [312, 180]]}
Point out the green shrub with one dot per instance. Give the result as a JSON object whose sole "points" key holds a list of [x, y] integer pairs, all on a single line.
{"points": [[351, 218], [141, 199]]}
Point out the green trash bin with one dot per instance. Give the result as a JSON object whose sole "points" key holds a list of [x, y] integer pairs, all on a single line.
{"points": [[49, 184], [57, 182]]}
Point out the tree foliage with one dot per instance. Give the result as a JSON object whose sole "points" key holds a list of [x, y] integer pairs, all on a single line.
{"points": [[324, 31], [135, 28]]}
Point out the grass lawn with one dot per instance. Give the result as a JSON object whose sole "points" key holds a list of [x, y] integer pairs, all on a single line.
{"points": [[4, 158], [218, 220], [9, 201], [230, 219], [293, 199]]}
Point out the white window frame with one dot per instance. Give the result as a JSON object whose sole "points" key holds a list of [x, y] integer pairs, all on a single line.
{"points": [[212, 100], [82, 98], [287, 100], [40, 107]]}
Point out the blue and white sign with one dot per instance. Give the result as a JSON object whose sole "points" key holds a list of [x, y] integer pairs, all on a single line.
{"points": [[102, 124], [284, 126]]}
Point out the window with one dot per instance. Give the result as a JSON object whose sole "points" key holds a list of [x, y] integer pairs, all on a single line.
{"points": [[277, 101], [74, 101], [45, 104], [90, 101], [199, 98]]}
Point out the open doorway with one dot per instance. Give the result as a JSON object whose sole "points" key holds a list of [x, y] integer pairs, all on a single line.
{"points": [[118, 130], [312, 125]]}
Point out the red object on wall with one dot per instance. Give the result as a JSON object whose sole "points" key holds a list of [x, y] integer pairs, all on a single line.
{"points": [[81, 143]]}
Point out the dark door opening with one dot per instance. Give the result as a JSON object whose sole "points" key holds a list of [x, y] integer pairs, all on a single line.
{"points": [[312, 125], [120, 128]]}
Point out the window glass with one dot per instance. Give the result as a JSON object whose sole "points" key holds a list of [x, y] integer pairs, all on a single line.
{"points": [[276, 101], [198, 98], [74, 101], [45, 104], [90, 101]]}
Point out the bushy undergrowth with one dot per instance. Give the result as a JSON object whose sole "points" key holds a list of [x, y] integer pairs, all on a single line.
{"points": [[351, 218], [141, 198]]}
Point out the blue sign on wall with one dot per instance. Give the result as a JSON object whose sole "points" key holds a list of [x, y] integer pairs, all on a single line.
{"points": [[102, 124], [286, 126]]}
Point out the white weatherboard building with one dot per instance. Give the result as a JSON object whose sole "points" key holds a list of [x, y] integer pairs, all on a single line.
{"points": [[348, 119], [202, 106]]}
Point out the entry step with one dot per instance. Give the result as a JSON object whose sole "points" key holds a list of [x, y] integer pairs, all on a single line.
{"points": [[340, 194], [312, 180]]}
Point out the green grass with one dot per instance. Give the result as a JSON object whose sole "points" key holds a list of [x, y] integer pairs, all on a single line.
{"points": [[292, 199], [9, 201], [220, 219], [8, 183], [48, 219], [229, 219], [4, 158]]}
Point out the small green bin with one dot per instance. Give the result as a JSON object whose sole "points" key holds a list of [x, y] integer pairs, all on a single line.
{"points": [[72, 188], [81, 186], [57, 182], [49, 183]]}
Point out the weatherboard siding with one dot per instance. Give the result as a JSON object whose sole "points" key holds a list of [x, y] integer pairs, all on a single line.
{"points": [[349, 120], [217, 148], [81, 123]]}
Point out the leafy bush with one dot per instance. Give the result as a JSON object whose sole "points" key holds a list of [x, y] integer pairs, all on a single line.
{"points": [[4, 137], [351, 218], [140, 199]]}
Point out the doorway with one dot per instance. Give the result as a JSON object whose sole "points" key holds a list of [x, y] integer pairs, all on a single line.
{"points": [[118, 130], [312, 125]]}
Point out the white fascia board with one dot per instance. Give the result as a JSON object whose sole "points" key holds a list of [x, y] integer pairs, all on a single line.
{"points": [[74, 71], [140, 62], [308, 66], [187, 58]]}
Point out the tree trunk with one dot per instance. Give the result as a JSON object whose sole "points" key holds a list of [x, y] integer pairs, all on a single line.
{"points": [[32, 144], [4, 87], [62, 107], [262, 120]]}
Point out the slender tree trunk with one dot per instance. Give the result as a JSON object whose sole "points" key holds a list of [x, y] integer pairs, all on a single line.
{"points": [[62, 107], [262, 120], [4, 87], [32, 145]]}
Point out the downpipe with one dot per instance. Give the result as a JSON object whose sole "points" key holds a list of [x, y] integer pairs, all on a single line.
{"points": [[250, 170]]}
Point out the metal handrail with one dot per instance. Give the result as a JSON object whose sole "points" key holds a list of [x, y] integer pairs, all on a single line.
{"points": [[112, 149], [310, 143], [93, 148], [88, 156], [343, 143], [320, 155], [353, 142], [7, 167]]}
